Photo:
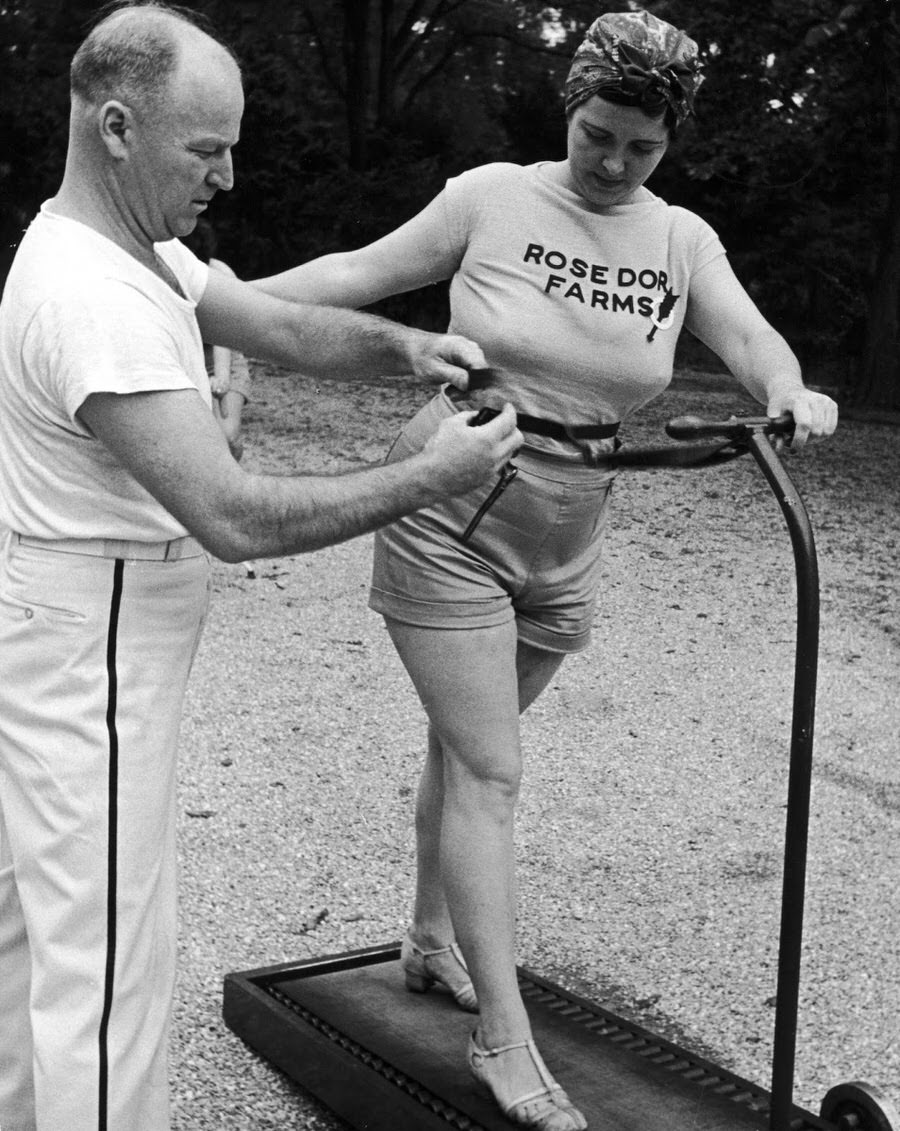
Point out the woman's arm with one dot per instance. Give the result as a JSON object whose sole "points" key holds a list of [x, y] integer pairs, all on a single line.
{"points": [[325, 340], [413, 255], [725, 318]]}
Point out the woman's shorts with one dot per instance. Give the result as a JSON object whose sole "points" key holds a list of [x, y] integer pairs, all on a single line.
{"points": [[534, 557]]}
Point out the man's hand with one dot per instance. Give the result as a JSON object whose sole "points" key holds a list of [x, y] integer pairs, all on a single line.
{"points": [[438, 358], [172, 445], [462, 457], [814, 413]]}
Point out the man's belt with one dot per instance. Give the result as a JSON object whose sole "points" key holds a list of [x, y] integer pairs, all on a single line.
{"points": [[173, 550]]}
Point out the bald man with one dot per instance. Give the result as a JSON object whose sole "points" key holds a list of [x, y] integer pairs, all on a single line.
{"points": [[115, 485]]}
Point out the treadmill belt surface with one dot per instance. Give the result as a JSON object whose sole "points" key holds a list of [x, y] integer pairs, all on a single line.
{"points": [[346, 1029]]}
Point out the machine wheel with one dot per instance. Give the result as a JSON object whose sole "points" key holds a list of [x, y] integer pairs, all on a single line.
{"points": [[859, 1107]]}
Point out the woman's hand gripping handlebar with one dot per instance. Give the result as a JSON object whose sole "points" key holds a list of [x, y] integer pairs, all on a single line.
{"points": [[735, 428], [707, 442]]}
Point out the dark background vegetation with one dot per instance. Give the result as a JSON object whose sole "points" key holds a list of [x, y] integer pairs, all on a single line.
{"points": [[358, 110]]}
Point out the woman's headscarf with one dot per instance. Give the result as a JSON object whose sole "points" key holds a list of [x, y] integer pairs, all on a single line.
{"points": [[640, 59]]}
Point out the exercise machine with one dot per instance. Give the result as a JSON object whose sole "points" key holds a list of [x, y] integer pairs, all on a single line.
{"points": [[345, 1028]]}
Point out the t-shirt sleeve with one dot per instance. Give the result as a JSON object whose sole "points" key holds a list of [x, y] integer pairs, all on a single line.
{"points": [[106, 338], [465, 196], [706, 245], [192, 273]]}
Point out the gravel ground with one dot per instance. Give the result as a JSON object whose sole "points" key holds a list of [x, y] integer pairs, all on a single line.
{"points": [[651, 822]]}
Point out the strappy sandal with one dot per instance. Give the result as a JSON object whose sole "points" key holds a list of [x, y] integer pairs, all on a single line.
{"points": [[547, 1108], [445, 966]]}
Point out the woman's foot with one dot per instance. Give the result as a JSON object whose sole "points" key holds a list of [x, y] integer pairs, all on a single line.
{"points": [[444, 966], [519, 1081]]}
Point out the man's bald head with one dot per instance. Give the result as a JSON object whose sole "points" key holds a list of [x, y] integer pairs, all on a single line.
{"points": [[133, 52], [157, 103]]}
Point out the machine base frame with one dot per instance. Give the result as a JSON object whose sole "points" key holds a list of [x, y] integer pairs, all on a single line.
{"points": [[341, 1027]]}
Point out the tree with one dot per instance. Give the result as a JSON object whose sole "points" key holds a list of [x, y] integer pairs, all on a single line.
{"points": [[358, 111], [783, 164], [385, 58], [874, 26], [36, 39]]}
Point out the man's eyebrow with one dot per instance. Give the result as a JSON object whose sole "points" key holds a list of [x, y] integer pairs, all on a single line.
{"points": [[212, 141]]}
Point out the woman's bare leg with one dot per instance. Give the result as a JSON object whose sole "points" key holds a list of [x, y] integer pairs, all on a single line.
{"points": [[432, 925], [473, 684]]}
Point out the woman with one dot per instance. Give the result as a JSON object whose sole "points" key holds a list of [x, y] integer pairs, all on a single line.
{"points": [[575, 280]]}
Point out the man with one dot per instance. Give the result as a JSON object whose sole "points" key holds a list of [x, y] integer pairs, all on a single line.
{"points": [[114, 481]]}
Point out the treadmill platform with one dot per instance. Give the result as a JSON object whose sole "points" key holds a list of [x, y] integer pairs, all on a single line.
{"points": [[346, 1029]]}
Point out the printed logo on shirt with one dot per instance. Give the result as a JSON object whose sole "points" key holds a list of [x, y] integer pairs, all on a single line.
{"points": [[625, 290], [663, 320]]}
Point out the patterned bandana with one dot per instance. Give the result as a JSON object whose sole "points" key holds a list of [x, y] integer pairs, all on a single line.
{"points": [[639, 56]]}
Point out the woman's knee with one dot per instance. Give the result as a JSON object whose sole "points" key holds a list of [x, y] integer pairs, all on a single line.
{"points": [[485, 780], [481, 754]]}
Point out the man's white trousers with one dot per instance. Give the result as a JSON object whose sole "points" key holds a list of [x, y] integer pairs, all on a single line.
{"points": [[94, 658]]}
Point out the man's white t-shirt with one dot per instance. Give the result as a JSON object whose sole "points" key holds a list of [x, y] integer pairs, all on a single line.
{"points": [[81, 316]]}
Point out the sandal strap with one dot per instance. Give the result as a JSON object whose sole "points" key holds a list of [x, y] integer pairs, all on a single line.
{"points": [[550, 1085], [540, 1094], [458, 955], [517, 1109], [451, 948], [432, 953], [499, 1049]]}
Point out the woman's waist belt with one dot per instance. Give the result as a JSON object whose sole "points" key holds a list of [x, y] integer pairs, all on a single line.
{"points": [[538, 425], [559, 431]]}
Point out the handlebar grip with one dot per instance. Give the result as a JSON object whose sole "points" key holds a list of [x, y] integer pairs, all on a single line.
{"points": [[695, 428]]}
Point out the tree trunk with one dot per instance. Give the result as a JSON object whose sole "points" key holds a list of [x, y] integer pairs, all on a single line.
{"points": [[386, 78], [878, 380], [356, 68]]}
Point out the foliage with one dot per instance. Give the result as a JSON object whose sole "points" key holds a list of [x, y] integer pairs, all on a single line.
{"points": [[36, 39], [358, 110], [782, 164]]}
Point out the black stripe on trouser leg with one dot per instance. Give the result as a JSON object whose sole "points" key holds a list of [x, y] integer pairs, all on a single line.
{"points": [[112, 841]]}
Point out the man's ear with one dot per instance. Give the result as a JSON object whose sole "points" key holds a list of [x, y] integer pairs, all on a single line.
{"points": [[116, 123]]}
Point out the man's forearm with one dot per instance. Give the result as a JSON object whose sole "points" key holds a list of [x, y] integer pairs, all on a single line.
{"points": [[275, 516], [172, 446], [326, 340]]}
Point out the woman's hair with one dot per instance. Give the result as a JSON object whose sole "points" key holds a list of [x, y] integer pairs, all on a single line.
{"points": [[132, 51], [637, 59]]}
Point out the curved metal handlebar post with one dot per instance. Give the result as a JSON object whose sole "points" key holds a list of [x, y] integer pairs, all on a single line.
{"points": [[753, 434], [799, 778], [710, 442]]}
